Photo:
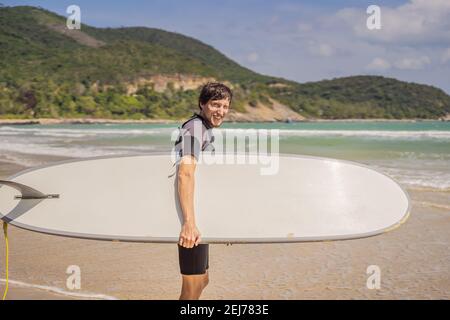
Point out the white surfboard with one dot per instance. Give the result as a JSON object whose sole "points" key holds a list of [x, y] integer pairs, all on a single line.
{"points": [[134, 198]]}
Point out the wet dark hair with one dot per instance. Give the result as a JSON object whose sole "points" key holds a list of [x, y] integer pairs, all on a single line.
{"points": [[214, 91]]}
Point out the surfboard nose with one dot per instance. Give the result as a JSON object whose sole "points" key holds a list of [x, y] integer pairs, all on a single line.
{"points": [[7, 202]]}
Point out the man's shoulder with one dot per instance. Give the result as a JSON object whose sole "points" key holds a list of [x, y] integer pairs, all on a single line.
{"points": [[191, 122], [195, 123]]}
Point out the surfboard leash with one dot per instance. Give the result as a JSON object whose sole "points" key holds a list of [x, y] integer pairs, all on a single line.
{"points": [[5, 233]]}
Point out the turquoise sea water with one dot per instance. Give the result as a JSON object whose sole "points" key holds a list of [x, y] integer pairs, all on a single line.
{"points": [[417, 154]]}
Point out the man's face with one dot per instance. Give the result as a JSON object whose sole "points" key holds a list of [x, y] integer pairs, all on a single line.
{"points": [[215, 110]]}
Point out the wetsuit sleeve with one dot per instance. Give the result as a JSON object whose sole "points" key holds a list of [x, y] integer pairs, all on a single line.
{"points": [[191, 139]]}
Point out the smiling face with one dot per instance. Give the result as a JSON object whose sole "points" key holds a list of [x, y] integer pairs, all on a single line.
{"points": [[215, 111]]}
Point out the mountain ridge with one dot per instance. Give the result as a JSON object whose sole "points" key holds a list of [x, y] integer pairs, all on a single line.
{"points": [[48, 71]]}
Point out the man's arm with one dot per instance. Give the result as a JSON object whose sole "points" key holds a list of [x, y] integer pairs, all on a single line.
{"points": [[189, 235]]}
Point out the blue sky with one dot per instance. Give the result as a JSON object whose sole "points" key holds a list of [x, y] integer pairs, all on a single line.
{"points": [[298, 40]]}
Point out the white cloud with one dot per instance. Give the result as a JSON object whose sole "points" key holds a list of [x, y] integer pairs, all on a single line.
{"points": [[446, 56], [321, 49], [289, 7], [416, 22], [303, 27], [378, 64], [253, 57], [412, 63], [274, 19]]}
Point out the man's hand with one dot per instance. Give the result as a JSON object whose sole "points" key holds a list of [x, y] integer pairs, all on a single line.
{"points": [[189, 235]]}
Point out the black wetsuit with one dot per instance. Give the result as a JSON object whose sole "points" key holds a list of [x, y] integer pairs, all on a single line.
{"points": [[195, 137]]}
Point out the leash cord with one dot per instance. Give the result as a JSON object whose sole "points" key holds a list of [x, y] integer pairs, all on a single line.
{"points": [[5, 232]]}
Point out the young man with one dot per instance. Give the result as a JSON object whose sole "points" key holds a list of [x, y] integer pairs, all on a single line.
{"points": [[196, 136]]}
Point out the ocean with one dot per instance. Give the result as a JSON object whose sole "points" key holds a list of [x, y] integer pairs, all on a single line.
{"points": [[416, 154]]}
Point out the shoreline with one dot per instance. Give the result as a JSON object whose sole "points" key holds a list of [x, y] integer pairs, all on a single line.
{"points": [[49, 121], [19, 290]]}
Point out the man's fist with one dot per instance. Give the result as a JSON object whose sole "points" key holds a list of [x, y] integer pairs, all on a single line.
{"points": [[189, 235]]}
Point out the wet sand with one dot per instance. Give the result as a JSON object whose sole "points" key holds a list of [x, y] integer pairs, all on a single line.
{"points": [[19, 293], [414, 261]]}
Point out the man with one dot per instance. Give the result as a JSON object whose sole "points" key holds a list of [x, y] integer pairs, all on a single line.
{"points": [[196, 136]]}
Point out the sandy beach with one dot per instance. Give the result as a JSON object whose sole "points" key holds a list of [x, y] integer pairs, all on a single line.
{"points": [[413, 259]]}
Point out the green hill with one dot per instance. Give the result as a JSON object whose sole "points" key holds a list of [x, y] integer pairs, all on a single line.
{"points": [[366, 97], [47, 70]]}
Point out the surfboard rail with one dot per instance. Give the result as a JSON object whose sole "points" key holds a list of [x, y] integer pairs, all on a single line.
{"points": [[30, 194]]}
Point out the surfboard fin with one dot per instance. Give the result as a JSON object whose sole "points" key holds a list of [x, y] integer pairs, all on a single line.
{"points": [[27, 192]]}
